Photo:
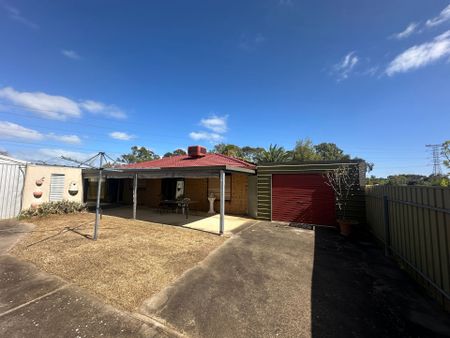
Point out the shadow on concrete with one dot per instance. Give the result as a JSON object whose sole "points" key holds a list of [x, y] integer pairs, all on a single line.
{"points": [[357, 291]]}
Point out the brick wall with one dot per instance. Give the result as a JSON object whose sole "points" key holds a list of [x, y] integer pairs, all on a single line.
{"points": [[149, 194]]}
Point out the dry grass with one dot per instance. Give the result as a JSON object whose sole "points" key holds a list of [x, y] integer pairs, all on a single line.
{"points": [[131, 261]]}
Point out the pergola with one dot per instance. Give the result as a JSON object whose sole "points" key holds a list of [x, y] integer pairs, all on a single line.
{"points": [[155, 172]]}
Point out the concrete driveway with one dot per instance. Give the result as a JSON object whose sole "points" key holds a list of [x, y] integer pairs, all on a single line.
{"points": [[277, 281]]}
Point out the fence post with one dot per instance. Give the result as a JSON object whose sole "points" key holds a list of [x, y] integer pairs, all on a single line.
{"points": [[387, 232]]}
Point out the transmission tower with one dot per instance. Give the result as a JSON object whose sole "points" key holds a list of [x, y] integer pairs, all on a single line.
{"points": [[436, 151]]}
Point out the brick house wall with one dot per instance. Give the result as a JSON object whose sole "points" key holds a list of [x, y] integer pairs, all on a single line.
{"points": [[149, 194]]}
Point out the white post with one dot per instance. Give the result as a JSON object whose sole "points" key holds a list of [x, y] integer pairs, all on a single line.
{"points": [[135, 183], [222, 201]]}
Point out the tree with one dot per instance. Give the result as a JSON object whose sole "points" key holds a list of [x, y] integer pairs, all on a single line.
{"points": [[330, 152], [304, 151], [4, 153], [250, 153], [227, 149], [342, 181], [273, 154], [175, 153], [138, 154]]}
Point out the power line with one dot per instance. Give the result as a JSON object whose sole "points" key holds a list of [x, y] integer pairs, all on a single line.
{"points": [[436, 150]]}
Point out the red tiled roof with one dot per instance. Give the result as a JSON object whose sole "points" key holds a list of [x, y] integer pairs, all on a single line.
{"points": [[184, 161]]}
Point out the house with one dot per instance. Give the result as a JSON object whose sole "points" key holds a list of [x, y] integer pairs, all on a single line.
{"points": [[196, 176], [287, 192]]}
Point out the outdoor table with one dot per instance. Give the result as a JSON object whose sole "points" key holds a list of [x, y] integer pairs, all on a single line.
{"points": [[184, 205]]}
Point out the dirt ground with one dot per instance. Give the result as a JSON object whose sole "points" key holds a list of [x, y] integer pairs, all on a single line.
{"points": [[130, 262]]}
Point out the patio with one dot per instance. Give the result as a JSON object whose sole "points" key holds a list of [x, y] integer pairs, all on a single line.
{"points": [[197, 220]]}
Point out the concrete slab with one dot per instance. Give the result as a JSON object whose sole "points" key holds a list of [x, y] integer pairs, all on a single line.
{"points": [[197, 220], [33, 303], [256, 285], [70, 313], [11, 231], [22, 282], [272, 280]]}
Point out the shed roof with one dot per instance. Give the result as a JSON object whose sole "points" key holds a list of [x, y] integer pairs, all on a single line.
{"points": [[185, 161]]}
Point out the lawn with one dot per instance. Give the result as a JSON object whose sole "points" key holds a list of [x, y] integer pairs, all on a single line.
{"points": [[131, 260]]}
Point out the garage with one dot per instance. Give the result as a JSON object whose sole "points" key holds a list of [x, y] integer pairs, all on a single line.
{"points": [[302, 198], [296, 192]]}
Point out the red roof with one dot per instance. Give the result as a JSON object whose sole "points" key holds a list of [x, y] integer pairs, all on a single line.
{"points": [[184, 161]]}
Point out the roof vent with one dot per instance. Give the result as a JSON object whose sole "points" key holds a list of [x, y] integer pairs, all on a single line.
{"points": [[196, 151]]}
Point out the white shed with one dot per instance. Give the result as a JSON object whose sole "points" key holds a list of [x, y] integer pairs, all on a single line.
{"points": [[12, 178]]}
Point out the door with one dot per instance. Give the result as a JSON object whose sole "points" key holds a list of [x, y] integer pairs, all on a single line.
{"points": [[302, 198]]}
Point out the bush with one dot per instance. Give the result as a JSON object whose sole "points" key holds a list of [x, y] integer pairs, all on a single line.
{"points": [[53, 208]]}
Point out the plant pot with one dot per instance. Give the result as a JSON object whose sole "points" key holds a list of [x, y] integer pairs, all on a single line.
{"points": [[346, 226], [37, 194]]}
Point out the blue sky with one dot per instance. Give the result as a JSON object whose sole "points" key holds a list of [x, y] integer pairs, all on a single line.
{"points": [[84, 76]]}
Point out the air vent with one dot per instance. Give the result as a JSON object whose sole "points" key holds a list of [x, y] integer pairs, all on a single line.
{"points": [[196, 151]]}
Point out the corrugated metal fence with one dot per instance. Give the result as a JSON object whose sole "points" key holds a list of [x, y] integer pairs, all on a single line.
{"points": [[12, 177], [413, 222]]}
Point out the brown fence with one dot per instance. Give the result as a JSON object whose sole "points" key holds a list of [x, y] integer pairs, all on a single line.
{"points": [[413, 223]]}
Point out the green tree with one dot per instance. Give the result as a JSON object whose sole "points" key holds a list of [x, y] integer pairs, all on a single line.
{"points": [[304, 151], [274, 154], [227, 149], [138, 154], [330, 151], [250, 153], [175, 153]]}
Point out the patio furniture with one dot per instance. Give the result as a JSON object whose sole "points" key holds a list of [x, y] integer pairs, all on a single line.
{"points": [[181, 204]]}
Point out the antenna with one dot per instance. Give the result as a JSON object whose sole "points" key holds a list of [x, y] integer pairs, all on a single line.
{"points": [[436, 151]]}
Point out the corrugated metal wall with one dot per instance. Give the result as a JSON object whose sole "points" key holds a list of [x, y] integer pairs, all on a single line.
{"points": [[417, 228], [356, 205], [12, 177]]}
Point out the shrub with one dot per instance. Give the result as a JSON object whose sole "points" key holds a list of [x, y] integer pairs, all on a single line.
{"points": [[54, 208]]}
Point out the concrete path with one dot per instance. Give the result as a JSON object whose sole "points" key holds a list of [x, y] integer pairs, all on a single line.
{"points": [[277, 281], [11, 231], [36, 304]]}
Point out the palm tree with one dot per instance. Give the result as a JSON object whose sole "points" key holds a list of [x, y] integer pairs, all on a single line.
{"points": [[274, 154]]}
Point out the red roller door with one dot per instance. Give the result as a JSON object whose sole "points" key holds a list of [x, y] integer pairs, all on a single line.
{"points": [[302, 198]]}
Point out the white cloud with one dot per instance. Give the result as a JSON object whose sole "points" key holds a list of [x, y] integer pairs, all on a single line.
{"points": [[441, 18], [71, 54], [203, 135], [407, 32], [70, 139], [15, 15], [56, 107], [48, 106], [11, 130], [118, 135], [100, 108], [344, 68], [421, 55], [217, 124]]}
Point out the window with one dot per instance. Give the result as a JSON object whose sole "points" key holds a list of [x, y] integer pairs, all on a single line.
{"points": [[214, 187], [57, 187]]}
